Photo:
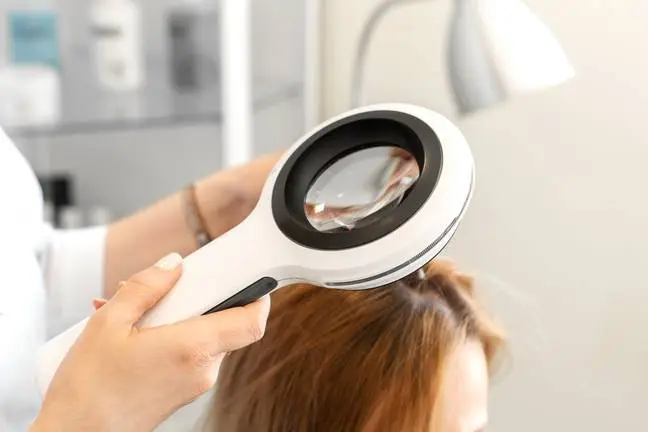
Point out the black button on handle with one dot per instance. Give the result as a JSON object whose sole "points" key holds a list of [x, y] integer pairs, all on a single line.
{"points": [[248, 295]]}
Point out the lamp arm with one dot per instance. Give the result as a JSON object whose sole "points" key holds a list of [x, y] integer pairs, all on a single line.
{"points": [[368, 31]]}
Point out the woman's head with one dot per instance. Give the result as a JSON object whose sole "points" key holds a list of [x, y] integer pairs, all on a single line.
{"points": [[413, 356]]}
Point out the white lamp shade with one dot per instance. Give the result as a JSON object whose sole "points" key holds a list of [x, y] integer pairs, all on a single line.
{"points": [[498, 48]]}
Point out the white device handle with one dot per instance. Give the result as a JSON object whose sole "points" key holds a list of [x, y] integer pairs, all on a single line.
{"points": [[224, 273]]}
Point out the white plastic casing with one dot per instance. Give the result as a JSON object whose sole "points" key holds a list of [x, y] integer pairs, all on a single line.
{"points": [[257, 248]]}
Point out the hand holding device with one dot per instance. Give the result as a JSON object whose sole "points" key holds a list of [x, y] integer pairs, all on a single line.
{"points": [[115, 378]]}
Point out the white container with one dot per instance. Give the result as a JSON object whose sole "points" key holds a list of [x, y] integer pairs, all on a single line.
{"points": [[29, 96], [48, 212], [99, 216], [71, 218], [116, 28]]}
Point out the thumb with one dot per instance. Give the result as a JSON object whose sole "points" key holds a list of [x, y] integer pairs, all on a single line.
{"points": [[144, 289]]}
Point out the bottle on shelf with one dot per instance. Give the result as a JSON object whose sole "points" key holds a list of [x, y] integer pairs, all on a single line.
{"points": [[48, 212], [71, 218], [116, 29], [193, 43], [30, 95], [99, 215], [33, 35], [58, 192]]}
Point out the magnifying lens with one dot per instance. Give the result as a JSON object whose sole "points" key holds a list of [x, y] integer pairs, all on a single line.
{"points": [[361, 201]]}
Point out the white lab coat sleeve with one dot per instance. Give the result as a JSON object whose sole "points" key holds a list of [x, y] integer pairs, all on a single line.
{"points": [[73, 267]]}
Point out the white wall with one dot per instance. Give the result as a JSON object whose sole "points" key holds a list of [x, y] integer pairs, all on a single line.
{"points": [[559, 216]]}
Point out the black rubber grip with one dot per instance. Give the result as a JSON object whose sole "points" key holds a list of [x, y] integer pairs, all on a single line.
{"points": [[248, 295]]}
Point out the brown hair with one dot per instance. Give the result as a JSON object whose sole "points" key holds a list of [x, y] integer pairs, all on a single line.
{"points": [[330, 358]]}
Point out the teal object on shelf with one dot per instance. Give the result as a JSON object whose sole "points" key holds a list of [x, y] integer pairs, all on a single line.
{"points": [[33, 38]]}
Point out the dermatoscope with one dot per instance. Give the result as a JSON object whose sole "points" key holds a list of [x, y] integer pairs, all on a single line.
{"points": [[361, 201]]}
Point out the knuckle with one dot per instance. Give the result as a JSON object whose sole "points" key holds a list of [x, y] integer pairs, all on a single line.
{"points": [[154, 278], [193, 356], [145, 279], [101, 319], [256, 329]]}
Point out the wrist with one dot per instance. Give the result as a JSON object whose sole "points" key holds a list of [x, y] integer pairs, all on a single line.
{"points": [[227, 197], [51, 423], [222, 202], [82, 419], [69, 411], [57, 422]]}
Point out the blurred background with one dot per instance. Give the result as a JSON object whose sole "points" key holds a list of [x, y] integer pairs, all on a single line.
{"points": [[121, 142], [556, 233]]}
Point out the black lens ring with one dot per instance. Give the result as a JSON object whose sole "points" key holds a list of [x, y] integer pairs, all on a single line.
{"points": [[339, 139]]}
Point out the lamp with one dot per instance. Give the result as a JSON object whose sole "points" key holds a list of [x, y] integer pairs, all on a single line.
{"points": [[496, 48]]}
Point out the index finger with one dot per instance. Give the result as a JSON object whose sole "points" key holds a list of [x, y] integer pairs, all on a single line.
{"points": [[227, 330]]}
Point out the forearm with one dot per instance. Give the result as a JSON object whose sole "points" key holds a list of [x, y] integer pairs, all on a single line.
{"points": [[138, 241], [224, 200]]}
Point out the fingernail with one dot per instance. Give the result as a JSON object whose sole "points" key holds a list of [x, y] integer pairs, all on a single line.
{"points": [[169, 262]]}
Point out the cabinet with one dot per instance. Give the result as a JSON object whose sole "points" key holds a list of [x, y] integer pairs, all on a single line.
{"points": [[126, 150]]}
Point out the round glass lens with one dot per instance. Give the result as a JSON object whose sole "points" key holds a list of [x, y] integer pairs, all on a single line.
{"points": [[359, 185]]}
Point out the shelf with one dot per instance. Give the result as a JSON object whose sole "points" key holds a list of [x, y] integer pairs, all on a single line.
{"points": [[86, 108]]}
